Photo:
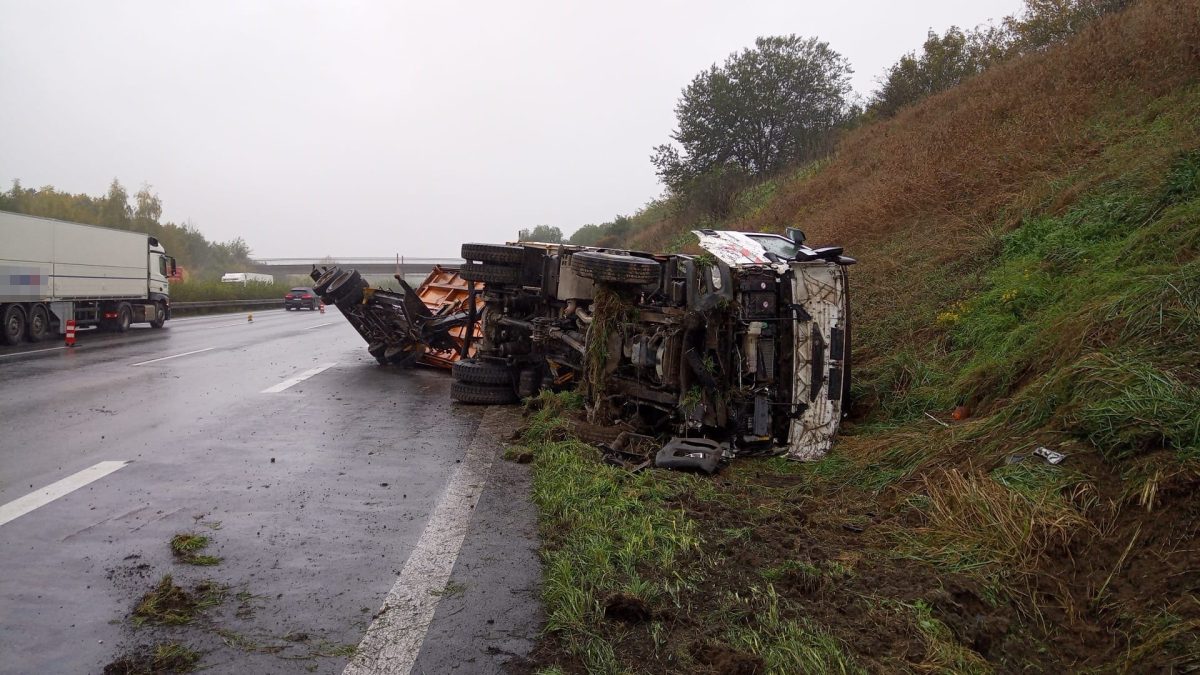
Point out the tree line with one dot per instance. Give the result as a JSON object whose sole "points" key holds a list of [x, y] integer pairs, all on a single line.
{"points": [[141, 213]]}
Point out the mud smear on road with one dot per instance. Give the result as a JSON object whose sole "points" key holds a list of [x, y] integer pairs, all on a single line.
{"points": [[171, 605], [166, 657]]}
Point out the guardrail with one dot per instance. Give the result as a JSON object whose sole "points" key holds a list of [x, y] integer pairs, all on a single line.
{"points": [[222, 304]]}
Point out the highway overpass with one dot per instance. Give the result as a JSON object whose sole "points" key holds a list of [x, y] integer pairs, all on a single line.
{"points": [[406, 266]]}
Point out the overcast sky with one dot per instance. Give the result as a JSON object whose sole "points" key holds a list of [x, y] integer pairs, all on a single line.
{"points": [[375, 128]]}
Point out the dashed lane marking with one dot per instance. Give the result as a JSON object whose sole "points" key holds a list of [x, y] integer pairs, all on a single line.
{"points": [[174, 356], [321, 324], [292, 381], [19, 507], [394, 639], [31, 351]]}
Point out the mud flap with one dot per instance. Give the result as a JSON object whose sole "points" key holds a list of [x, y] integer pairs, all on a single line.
{"points": [[819, 294]]}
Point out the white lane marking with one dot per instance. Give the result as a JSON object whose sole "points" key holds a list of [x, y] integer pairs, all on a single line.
{"points": [[292, 381], [32, 351], [19, 507], [393, 640], [175, 356], [321, 324]]}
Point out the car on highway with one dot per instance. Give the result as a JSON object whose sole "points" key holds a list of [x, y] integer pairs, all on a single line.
{"points": [[300, 297]]}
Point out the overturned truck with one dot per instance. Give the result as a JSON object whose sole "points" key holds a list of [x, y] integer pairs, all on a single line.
{"points": [[744, 349]]}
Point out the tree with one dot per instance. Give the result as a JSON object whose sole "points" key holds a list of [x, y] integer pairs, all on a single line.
{"points": [[544, 233], [115, 210], [1047, 22], [764, 109], [945, 61]]}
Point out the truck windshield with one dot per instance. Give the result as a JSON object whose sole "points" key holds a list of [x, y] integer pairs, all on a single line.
{"points": [[781, 247]]}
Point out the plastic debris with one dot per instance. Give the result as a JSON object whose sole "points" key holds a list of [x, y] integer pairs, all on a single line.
{"points": [[1049, 455]]}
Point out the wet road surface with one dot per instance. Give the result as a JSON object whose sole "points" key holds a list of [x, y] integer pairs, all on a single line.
{"points": [[312, 470]]}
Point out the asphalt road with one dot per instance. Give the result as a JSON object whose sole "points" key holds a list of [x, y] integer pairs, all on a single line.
{"points": [[314, 492]]}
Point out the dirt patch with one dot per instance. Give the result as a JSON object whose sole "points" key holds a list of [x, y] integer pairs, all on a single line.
{"points": [[171, 605], [725, 661], [627, 608]]}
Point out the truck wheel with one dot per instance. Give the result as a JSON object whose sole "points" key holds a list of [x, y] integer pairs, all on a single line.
{"points": [[160, 316], [481, 372], [326, 278], [38, 324], [615, 268], [347, 288], [494, 253], [491, 274], [481, 394], [124, 317], [14, 324]]}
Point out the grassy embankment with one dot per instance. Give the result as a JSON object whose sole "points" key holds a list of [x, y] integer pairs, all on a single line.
{"points": [[1030, 247]]}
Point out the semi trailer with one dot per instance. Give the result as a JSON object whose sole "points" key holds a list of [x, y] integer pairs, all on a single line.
{"points": [[52, 271]]}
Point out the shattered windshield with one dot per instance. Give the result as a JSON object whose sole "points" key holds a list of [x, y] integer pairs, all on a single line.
{"points": [[780, 246]]}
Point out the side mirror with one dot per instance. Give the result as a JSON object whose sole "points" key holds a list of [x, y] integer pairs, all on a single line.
{"points": [[796, 235], [174, 268]]}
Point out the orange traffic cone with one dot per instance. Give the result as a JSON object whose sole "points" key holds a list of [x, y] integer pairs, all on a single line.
{"points": [[70, 332], [322, 307], [250, 318]]}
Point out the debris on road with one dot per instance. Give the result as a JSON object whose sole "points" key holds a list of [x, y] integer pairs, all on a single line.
{"points": [[1049, 455]]}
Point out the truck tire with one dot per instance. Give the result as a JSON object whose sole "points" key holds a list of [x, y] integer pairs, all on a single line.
{"points": [[347, 288], [477, 371], [494, 253], [14, 325], [124, 317], [615, 268], [160, 316], [38, 324], [481, 394], [491, 274], [322, 283]]}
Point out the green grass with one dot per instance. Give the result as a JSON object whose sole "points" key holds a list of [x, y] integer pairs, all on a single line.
{"points": [[943, 653], [602, 528], [185, 547], [787, 643], [170, 605]]}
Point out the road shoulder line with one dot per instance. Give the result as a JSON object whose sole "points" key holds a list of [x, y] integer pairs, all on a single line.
{"points": [[297, 379], [394, 639], [174, 356]]}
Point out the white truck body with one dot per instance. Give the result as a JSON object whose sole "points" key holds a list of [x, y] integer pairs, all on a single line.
{"points": [[245, 278], [53, 270]]}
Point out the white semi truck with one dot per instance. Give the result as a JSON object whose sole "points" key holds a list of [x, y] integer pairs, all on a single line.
{"points": [[53, 270]]}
